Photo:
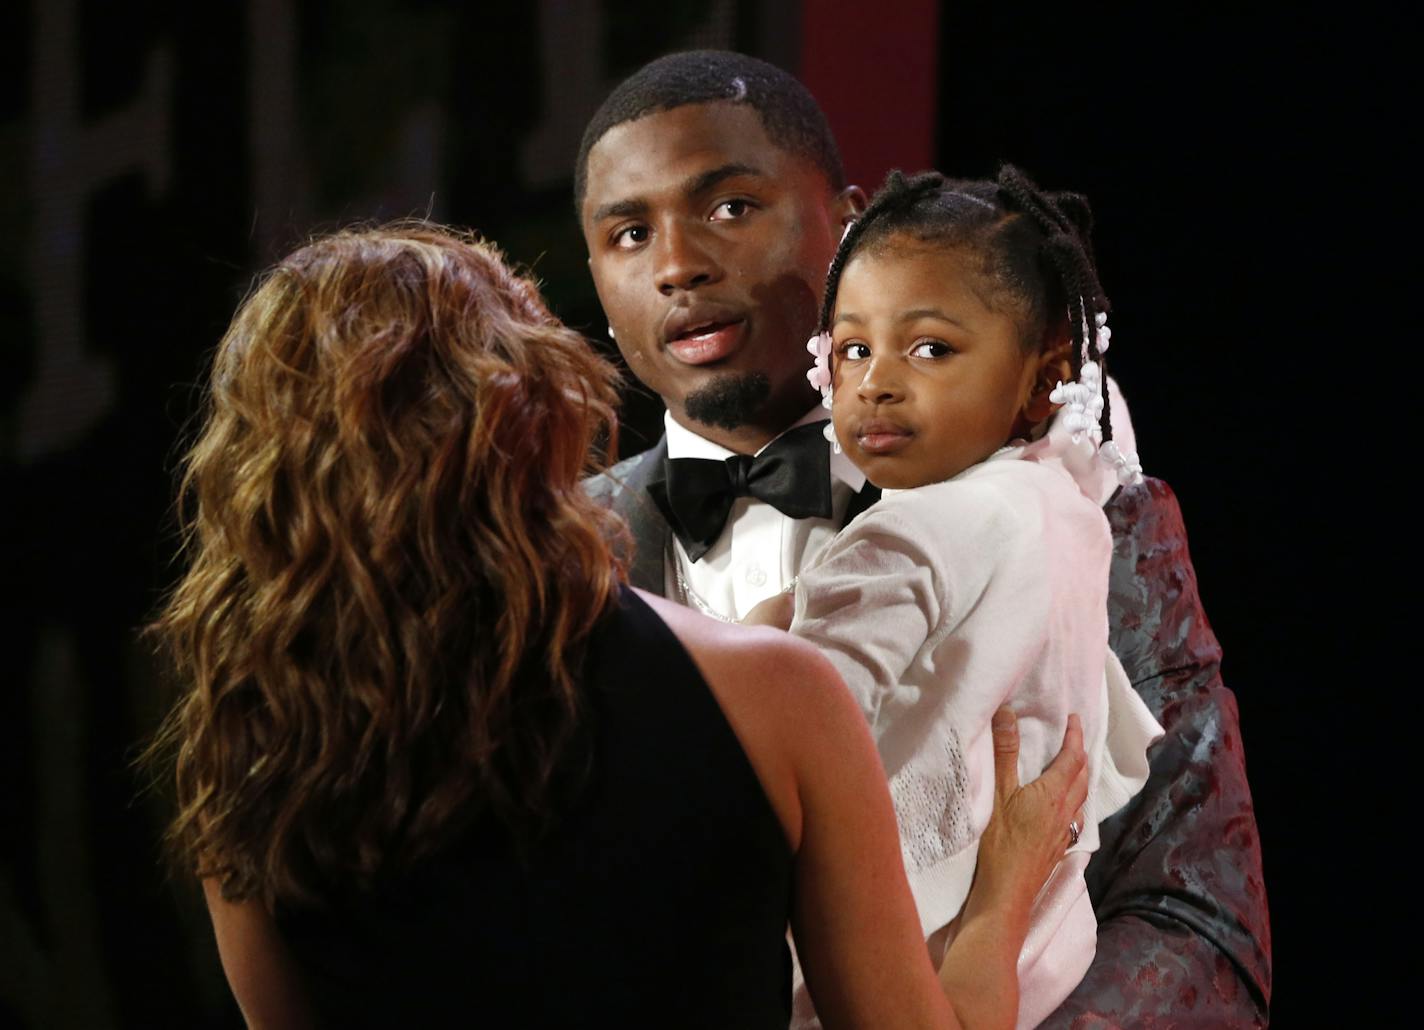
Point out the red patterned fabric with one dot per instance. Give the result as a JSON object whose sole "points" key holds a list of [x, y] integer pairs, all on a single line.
{"points": [[1184, 937]]}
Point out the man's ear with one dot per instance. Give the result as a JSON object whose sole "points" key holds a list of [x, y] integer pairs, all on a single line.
{"points": [[1054, 364], [848, 204]]}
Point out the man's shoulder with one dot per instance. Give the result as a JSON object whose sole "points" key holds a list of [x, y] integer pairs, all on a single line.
{"points": [[1147, 527], [1147, 505], [623, 489], [1155, 611], [627, 478]]}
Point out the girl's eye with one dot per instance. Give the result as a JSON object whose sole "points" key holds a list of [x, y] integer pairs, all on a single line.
{"points": [[931, 349], [630, 237], [855, 350], [729, 210]]}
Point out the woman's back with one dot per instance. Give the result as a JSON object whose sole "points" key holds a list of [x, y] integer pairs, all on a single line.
{"points": [[663, 888]]}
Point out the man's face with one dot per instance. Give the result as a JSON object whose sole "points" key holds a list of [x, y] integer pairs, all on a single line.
{"points": [[709, 246]]}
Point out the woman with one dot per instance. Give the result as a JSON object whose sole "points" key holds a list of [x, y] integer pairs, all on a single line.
{"points": [[435, 762]]}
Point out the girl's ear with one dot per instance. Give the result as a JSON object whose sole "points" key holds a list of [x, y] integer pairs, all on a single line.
{"points": [[1054, 364]]}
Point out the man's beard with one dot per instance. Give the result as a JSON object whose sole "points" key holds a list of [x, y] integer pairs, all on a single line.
{"points": [[729, 401]]}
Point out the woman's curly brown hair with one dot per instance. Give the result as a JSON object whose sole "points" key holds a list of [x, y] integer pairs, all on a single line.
{"points": [[392, 564]]}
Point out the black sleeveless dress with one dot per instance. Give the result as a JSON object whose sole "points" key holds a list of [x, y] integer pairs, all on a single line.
{"points": [[659, 900]]}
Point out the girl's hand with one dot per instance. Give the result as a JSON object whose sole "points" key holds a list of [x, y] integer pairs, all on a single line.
{"points": [[776, 611]]}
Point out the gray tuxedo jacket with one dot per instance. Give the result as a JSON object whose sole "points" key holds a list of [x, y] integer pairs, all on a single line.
{"points": [[624, 488]]}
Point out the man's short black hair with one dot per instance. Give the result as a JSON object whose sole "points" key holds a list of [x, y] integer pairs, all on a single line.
{"points": [[789, 114]]}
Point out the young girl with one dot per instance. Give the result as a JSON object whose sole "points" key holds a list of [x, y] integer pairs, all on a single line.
{"points": [[958, 317]]}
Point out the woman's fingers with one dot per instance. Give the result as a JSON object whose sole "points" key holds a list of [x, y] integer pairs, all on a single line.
{"points": [[1067, 774], [1005, 727], [1078, 786], [1061, 789], [1028, 833], [1078, 789]]}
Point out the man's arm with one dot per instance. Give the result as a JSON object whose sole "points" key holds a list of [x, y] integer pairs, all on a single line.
{"points": [[1184, 937]]}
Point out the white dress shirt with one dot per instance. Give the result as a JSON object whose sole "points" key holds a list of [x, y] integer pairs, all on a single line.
{"points": [[760, 550]]}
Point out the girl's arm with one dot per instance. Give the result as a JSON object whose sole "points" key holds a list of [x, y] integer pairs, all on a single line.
{"points": [[260, 969], [870, 603], [776, 611]]}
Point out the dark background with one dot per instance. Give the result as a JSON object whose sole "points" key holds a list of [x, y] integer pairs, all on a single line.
{"points": [[155, 155]]}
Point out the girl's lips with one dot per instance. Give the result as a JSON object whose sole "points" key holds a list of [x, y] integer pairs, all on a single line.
{"points": [[882, 438], [704, 346]]}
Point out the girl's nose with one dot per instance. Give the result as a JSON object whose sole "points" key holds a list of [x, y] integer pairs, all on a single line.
{"points": [[881, 383]]}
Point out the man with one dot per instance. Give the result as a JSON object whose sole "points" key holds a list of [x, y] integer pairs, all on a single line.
{"points": [[711, 198]]}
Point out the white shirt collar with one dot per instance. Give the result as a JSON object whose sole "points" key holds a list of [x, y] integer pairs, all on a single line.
{"points": [[684, 443]]}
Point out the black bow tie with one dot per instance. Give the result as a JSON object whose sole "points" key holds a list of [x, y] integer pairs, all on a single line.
{"points": [[793, 475]]}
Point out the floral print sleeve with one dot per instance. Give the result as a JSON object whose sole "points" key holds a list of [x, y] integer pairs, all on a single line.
{"points": [[1184, 938]]}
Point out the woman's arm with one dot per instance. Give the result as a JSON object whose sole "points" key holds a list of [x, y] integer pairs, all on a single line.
{"points": [[854, 921], [856, 929], [857, 932], [1026, 837], [260, 969]]}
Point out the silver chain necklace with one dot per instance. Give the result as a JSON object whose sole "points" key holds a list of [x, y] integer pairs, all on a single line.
{"points": [[686, 596], [690, 598]]}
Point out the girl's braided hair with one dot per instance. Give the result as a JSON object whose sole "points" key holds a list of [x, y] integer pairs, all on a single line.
{"points": [[1033, 247]]}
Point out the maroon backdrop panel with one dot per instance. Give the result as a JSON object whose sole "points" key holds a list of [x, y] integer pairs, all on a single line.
{"points": [[873, 67]]}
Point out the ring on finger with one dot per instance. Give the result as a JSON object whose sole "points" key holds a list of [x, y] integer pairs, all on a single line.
{"points": [[1074, 831]]}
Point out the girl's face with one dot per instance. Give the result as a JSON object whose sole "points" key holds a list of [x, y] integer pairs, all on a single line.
{"points": [[928, 379]]}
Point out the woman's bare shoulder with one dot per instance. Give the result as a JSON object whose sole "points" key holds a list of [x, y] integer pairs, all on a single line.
{"points": [[787, 705]]}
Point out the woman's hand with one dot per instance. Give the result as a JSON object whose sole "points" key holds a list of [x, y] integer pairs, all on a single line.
{"points": [[1026, 838], [1028, 834]]}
